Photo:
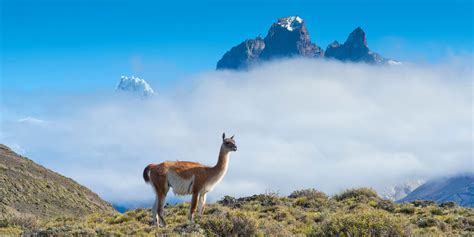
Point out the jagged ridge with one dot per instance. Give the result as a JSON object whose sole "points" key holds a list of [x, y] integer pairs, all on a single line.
{"points": [[289, 37]]}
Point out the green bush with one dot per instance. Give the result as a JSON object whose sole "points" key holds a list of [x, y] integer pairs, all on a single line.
{"points": [[358, 194], [386, 205], [243, 225], [228, 201], [407, 209], [310, 193], [231, 224], [364, 223], [448, 205], [423, 203], [275, 229], [426, 222], [437, 211], [24, 222]]}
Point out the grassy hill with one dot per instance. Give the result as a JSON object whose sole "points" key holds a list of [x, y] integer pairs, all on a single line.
{"points": [[35, 201], [29, 192], [357, 212]]}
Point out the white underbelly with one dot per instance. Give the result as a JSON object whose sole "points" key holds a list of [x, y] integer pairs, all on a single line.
{"points": [[180, 185]]}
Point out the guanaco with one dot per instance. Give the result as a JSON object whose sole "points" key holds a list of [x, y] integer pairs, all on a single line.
{"points": [[185, 178]]}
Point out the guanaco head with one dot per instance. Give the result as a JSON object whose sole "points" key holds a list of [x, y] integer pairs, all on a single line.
{"points": [[228, 143]]}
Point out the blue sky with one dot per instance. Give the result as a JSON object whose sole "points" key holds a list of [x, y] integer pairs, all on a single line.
{"points": [[291, 115], [86, 45]]}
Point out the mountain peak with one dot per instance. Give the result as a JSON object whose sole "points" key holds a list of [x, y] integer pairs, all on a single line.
{"points": [[135, 85], [290, 22], [289, 37], [357, 37], [355, 49]]}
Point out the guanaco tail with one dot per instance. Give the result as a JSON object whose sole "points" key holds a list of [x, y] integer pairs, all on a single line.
{"points": [[186, 178]]}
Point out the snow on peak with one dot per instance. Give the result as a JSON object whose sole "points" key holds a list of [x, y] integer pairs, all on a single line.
{"points": [[402, 190], [393, 62], [135, 85], [290, 22]]}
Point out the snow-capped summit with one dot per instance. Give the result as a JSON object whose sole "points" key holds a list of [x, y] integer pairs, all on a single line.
{"points": [[289, 37], [290, 22], [135, 85]]}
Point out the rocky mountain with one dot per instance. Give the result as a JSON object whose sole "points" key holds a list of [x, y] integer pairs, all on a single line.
{"points": [[135, 85], [355, 49], [289, 37], [242, 55], [400, 191], [459, 189], [30, 190]]}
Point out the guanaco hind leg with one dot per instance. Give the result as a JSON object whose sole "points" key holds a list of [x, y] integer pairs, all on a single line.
{"points": [[161, 189], [154, 211], [161, 207]]}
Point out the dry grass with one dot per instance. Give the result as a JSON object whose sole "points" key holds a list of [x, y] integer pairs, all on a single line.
{"points": [[357, 212]]}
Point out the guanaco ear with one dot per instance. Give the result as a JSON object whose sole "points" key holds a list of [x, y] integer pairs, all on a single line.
{"points": [[223, 136], [232, 137]]}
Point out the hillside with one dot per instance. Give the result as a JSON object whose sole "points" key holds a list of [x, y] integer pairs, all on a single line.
{"points": [[28, 190], [357, 212], [459, 189]]}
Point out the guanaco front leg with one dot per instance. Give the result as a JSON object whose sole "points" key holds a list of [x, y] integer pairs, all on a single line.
{"points": [[192, 210], [202, 202]]}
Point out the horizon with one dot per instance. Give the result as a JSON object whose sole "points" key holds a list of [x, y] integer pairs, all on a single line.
{"points": [[308, 123]]}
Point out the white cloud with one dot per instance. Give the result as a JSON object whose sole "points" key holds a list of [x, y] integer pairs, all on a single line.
{"points": [[31, 120], [298, 124]]}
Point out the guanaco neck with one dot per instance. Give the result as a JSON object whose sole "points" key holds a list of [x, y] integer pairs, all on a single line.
{"points": [[223, 160]]}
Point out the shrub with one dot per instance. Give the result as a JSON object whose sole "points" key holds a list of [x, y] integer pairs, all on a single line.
{"points": [[24, 222], [275, 229], [189, 228], [243, 225], [386, 205], [228, 201], [270, 199], [308, 193], [264, 199], [317, 203], [121, 218], [359, 194], [364, 223], [232, 224], [423, 203], [426, 222], [407, 209], [310, 198], [437, 211], [448, 205]]}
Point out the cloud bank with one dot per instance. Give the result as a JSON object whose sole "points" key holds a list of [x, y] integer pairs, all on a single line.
{"points": [[297, 123]]}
